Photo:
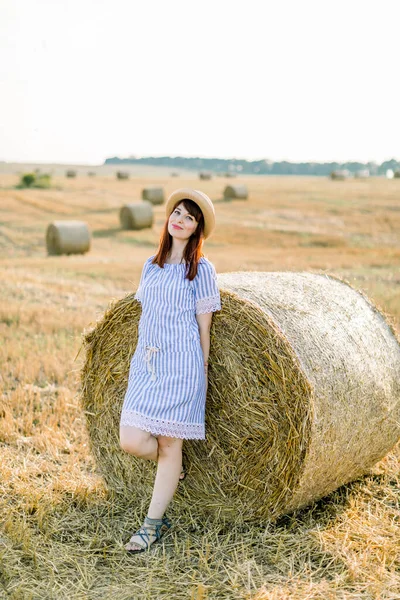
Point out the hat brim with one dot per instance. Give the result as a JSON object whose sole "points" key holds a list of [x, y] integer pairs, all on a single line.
{"points": [[203, 202]]}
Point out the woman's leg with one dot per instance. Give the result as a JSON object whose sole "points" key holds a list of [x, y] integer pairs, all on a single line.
{"points": [[138, 442], [141, 444], [167, 477], [166, 482]]}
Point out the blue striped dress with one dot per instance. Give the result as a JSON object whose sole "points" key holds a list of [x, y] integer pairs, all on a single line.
{"points": [[166, 393]]}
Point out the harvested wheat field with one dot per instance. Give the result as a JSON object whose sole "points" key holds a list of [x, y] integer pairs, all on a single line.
{"points": [[63, 527]]}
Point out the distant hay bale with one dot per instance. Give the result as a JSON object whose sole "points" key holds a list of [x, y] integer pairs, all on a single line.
{"points": [[155, 195], [137, 215], [67, 237], [396, 174], [340, 174], [236, 192], [205, 175], [91, 174], [362, 174], [174, 174], [122, 175], [304, 396], [70, 173]]}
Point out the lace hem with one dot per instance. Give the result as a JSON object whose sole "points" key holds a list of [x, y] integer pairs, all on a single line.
{"points": [[185, 431], [207, 305]]}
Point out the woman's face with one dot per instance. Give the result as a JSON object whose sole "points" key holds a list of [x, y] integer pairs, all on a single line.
{"points": [[181, 224]]}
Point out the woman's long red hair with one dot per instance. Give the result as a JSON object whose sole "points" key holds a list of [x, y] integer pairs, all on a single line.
{"points": [[194, 247]]}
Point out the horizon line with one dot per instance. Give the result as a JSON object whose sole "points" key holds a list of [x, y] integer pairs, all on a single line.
{"points": [[266, 160]]}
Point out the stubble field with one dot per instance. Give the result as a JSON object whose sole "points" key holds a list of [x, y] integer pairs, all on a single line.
{"points": [[62, 531]]}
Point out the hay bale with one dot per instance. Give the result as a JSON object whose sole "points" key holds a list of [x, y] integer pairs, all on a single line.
{"points": [[137, 215], [154, 195], [362, 174], [236, 192], [122, 175], [67, 237], [70, 173], [396, 174], [205, 175], [304, 396], [340, 174]]}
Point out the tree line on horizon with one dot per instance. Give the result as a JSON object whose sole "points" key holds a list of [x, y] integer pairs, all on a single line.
{"points": [[257, 167]]}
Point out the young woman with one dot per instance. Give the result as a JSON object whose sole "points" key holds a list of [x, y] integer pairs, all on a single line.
{"points": [[166, 395]]}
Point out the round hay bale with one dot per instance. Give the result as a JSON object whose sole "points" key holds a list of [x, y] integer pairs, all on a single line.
{"points": [[304, 396], [236, 192], [396, 174], [122, 175], [205, 175], [67, 237], [137, 215], [70, 173], [340, 174], [362, 174], [153, 194]]}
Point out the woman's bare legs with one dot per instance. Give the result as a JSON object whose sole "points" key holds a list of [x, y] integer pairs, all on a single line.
{"points": [[169, 467], [141, 444], [167, 477], [167, 452], [138, 442]]}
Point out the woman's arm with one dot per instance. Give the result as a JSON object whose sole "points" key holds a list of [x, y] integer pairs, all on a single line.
{"points": [[204, 323]]}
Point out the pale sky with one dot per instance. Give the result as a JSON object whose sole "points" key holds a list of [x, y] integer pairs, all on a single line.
{"points": [[83, 80]]}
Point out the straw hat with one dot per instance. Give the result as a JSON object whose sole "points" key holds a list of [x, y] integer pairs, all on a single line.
{"points": [[203, 202]]}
